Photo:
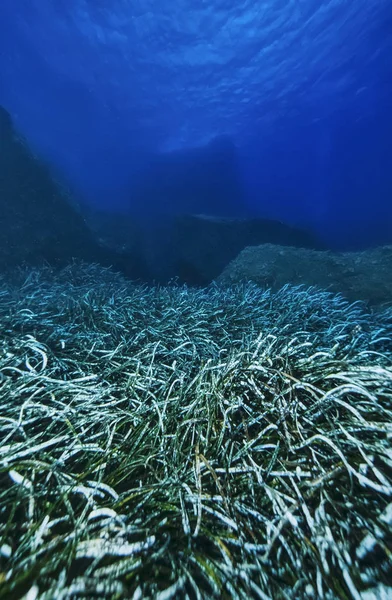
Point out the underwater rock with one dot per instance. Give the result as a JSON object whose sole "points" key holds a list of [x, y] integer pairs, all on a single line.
{"points": [[202, 246], [38, 221], [191, 248], [363, 275]]}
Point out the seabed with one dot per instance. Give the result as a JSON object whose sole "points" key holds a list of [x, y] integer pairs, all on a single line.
{"points": [[169, 442]]}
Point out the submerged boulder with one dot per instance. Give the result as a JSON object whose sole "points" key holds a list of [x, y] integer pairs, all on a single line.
{"points": [[201, 246], [363, 275]]}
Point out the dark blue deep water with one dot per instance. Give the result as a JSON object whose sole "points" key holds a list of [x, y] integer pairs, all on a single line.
{"points": [[293, 96]]}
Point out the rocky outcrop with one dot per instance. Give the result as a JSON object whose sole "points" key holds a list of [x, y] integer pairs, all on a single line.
{"points": [[363, 275], [192, 248], [38, 222], [202, 246]]}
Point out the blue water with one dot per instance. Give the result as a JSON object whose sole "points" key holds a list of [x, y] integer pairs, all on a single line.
{"points": [[300, 90]]}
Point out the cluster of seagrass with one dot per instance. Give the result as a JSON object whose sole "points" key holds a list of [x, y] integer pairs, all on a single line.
{"points": [[167, 442]]}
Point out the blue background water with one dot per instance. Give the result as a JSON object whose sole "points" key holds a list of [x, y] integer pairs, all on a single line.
{"points": [[300, 90]]}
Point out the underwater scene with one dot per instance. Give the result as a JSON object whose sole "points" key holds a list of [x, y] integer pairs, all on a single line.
{"points": [[196, 299]]}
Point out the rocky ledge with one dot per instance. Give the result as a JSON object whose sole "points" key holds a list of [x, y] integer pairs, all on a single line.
{"points": [[363, 275]]}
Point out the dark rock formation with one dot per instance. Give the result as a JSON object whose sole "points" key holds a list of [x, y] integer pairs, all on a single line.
{"points": [[200, 247], [363, 275], [192, 248], [38, 222], [36, 219]]}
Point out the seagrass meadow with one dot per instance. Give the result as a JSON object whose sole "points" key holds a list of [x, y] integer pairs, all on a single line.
{"points": [[169, 442]]}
